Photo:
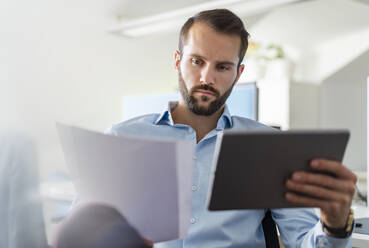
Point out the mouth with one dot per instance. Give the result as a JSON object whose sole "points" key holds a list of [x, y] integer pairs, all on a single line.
{"points": [[205, 92]]}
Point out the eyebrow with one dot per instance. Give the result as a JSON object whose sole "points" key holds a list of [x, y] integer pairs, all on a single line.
{"points": [[218, 62]]}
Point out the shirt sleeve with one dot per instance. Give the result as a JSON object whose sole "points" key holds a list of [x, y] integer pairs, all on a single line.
{"points": [[300, 227]]}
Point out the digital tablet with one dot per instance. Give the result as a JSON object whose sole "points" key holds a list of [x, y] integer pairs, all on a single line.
{"points": [[252, 167]]}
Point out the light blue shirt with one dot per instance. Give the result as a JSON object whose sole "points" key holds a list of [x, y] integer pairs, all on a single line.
{"points": [[298, 227]]}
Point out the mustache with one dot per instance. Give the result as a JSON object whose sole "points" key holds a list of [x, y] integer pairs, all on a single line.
{"points": [[205, 87]]}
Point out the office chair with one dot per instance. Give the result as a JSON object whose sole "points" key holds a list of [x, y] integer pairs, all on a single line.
{"points": [[21, 215]]}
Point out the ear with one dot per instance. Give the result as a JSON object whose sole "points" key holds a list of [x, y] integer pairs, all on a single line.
{"points": [[240, 70], [177, 59]]}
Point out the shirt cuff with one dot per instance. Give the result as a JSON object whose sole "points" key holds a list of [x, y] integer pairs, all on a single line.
{"points": [[323, 240]]}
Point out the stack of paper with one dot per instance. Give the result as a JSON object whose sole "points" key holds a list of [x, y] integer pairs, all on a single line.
{"points": [[147, 180]]}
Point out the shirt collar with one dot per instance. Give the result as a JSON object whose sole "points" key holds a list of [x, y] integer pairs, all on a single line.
{"points": [[225, 120], [165, 118]]}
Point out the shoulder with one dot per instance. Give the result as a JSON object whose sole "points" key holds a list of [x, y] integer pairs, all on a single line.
{"points": [[245, 123], [133, 124]]}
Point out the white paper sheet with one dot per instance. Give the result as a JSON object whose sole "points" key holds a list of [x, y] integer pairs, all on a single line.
{"points": [[147, 180]]}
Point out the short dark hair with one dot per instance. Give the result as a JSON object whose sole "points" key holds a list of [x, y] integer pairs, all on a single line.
{"points": [[221, 20]]}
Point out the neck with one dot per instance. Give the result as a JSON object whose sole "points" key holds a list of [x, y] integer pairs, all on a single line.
{"points": [[200, 123]]}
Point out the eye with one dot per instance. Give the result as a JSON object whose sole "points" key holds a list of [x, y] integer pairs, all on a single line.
{"points": [[195, 61], [224, 67]]}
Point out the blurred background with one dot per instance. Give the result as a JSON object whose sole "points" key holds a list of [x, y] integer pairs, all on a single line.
{"points": [[77, 61]]}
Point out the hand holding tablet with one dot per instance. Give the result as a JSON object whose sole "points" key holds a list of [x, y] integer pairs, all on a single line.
{"points": [[333, 195], [272, 169]]}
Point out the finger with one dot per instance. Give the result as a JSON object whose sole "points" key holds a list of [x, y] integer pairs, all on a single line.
{"points": [[148, 242], [306, 201], [334, 167], [322, 180], [319, 192], [331, 208]]}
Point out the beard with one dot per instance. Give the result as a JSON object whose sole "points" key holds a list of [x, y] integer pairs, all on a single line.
{"points": [[193, 103]]}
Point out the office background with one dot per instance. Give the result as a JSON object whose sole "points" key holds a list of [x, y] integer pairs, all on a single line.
{"points": [[59, 62]]}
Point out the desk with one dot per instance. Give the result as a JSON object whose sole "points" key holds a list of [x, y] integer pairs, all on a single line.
{"points": [[360, 240], [57, 198], [64, 192]]}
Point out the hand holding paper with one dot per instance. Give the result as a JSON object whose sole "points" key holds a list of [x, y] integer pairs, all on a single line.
{"points": [[147, 180]]}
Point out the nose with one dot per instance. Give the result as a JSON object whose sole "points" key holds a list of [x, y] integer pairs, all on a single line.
{"points": [[207, 75]]}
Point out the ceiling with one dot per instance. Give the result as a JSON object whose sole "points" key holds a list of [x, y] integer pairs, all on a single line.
{"points": [[134, 8], [313, 28], [141, 8]]}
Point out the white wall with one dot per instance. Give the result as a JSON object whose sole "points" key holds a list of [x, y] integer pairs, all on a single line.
{"points": [[343, 105], [57, 62], [304, 105], [337, 102]]}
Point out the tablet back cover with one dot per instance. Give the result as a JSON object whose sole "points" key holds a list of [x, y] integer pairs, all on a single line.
{"points": [[252, 167]]}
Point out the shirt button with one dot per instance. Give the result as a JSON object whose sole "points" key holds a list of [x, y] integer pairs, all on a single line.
{"points": [[192, 220], [194, 188]]}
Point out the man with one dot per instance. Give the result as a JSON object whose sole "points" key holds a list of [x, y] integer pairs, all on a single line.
{"points": [[212, 45]]}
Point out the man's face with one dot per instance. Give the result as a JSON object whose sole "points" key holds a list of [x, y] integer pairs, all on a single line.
{"points": [[207, 68]]}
